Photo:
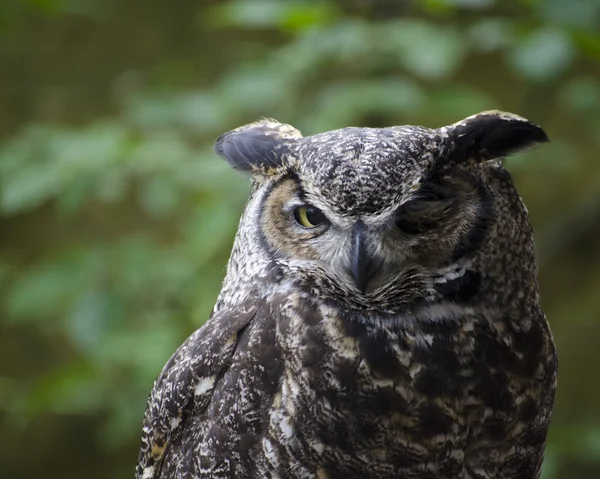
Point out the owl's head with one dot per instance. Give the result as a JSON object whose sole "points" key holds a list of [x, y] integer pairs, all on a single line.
{"points": [[384, 218]]}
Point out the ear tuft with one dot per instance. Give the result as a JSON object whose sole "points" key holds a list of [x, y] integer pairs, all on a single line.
{"points": [[258, 147], [492, 134]]}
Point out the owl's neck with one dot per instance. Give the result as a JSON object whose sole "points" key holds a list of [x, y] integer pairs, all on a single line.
{"points": [[249, 260]]}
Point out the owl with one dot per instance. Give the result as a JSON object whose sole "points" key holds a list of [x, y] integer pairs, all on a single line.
{"points": [[379, 318]]}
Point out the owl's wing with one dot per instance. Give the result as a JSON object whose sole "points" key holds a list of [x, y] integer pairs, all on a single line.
{"points": [[189, 375]]}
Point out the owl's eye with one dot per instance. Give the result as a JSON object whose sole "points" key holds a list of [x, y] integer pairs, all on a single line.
{"points": [[309, 216], [411, 224], [420, 216], [428, 209]]}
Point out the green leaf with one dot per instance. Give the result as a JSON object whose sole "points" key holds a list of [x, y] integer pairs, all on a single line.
{"points": [[472, 3], [158, 196], [581, 95], [490, 34], [446, 5], [43, 163], [262, 14], [454, 102], [89, 319], [72, 389], [212, 226], [543, 54], [201, 112], [346, 103], [42, 293], [159, 153], [28, 188], [576, 13], [248, 14], [253, 91], [151, 112], [47, 6], [304, 15], [429, 51]]}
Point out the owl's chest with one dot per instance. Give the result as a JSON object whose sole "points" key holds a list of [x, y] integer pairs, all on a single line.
{"points": [[338, 360], [357, 395]]}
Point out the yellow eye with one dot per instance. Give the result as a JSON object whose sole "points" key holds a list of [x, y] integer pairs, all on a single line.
{"points": [[309, 216]]}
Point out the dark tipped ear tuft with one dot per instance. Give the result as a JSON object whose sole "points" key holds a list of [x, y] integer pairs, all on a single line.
{"points": [[258, 147], [491, 134]]}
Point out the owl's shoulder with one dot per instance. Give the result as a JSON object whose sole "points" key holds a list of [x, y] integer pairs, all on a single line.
{"points": [[187, 382]]}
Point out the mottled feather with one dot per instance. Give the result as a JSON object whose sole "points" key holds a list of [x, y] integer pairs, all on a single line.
{"points": [[400, 335]]}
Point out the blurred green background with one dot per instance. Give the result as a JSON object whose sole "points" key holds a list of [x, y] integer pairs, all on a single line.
{"points": [[116, 218]]}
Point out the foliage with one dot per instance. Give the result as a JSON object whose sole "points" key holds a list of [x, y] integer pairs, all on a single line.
{"points": [[116, 218]]}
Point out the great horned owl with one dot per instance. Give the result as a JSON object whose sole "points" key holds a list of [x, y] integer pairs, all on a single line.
{"points": [[380, 315]]}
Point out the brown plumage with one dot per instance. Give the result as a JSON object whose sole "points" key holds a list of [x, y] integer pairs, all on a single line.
{"points": [[380, 316]]}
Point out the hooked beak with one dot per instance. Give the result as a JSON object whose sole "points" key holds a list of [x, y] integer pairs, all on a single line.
{"points": [[361, 262]]}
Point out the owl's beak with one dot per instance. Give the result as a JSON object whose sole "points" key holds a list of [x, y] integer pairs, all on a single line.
{"points": [[361, 262]]}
